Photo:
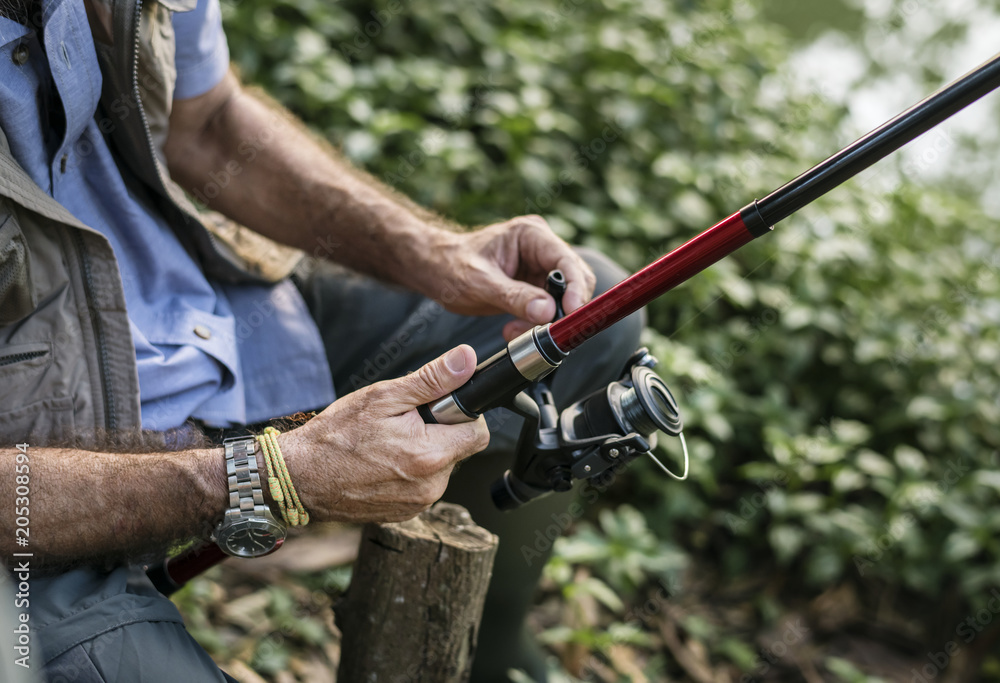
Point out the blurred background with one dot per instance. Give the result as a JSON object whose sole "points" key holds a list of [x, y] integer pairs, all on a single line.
{"points": [[838, 378]]}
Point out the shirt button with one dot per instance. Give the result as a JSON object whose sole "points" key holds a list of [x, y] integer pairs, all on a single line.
{"points": [[20, 54], [203, 332]]}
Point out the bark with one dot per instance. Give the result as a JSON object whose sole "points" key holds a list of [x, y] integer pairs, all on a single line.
{"points": [[416, 597]]}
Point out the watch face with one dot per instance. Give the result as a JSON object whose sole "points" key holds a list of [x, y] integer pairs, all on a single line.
{"points": [[250, 537]]}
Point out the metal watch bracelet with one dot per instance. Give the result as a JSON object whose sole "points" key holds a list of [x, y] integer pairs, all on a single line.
{"points": [[246, 494]]}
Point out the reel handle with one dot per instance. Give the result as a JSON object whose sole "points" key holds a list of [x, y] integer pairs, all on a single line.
{"points": [[526, 360]]}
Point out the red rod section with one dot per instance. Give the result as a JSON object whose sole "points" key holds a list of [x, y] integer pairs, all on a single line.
{"points": [[193, 562], [661, 276]]}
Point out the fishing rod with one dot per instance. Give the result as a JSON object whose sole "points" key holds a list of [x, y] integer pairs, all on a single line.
{"points": [[617, 424]]}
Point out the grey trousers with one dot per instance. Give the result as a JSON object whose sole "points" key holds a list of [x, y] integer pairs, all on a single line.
{"points": [[95, 627]]}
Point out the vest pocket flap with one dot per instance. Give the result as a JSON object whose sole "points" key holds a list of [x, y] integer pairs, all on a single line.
{"points": [[17, 296]]}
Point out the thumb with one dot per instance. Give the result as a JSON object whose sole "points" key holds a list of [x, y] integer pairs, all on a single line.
{"points": [[529, 303], [438, 378]]}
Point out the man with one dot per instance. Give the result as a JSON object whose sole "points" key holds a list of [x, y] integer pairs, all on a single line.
{"points": [[119, 311]]}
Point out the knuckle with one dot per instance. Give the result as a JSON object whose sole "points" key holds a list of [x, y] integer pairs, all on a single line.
{"points": [[536, 221], [530, 227], [438, 488], [473, 438], [367, 398], [511, 296], [426, 465], [430, 494], [480, 436], [432, 376]]}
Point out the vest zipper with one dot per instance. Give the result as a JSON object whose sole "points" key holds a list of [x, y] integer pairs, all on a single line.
{"points": [[20, 357], [136, 93], [110, 419]]}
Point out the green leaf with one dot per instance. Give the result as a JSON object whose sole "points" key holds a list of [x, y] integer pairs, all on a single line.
{"points": [[960, 545], [787, 541], [600, 590]]}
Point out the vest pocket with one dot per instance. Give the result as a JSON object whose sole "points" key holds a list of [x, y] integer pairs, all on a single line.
{"points": [[17, 296], [41, 423], [22, 369]]}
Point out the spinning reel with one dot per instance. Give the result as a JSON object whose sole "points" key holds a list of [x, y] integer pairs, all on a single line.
{"points": [[604, 431], [611, 427]]}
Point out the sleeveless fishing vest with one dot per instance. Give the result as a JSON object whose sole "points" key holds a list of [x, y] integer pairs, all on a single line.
{"points": [[67, 362]]}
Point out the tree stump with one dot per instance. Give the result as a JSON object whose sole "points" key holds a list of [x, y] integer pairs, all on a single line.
{"points": [[412, 611]]}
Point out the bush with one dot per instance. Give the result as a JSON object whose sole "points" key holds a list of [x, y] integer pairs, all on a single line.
{"points": [[838, 378]]}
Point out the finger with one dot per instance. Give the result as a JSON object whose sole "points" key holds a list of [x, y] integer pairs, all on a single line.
{"points": [[580, 281], [548, 251], [450, 444], [527, 302], [438, 378], [515, 328]]}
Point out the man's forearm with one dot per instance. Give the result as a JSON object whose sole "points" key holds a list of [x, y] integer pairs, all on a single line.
{"points": [[246, 158], [108, 507]]}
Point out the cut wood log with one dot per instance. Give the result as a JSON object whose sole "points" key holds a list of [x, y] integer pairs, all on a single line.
{"points": [[412, 611]]}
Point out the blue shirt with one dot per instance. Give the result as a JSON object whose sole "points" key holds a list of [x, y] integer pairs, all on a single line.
{"points": [[225, 354]]}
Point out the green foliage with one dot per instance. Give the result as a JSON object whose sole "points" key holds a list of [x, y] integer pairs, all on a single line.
{"points": [[623, 550], [848, 673], [838, 379]]}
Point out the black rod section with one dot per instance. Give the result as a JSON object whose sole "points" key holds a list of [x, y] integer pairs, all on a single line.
{"points": [[877, 144]]}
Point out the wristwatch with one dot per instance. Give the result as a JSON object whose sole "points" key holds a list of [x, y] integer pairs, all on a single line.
{"points": [[249, 529]]}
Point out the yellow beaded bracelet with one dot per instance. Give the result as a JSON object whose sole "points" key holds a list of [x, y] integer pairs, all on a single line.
{"points": [[280, 481]]}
